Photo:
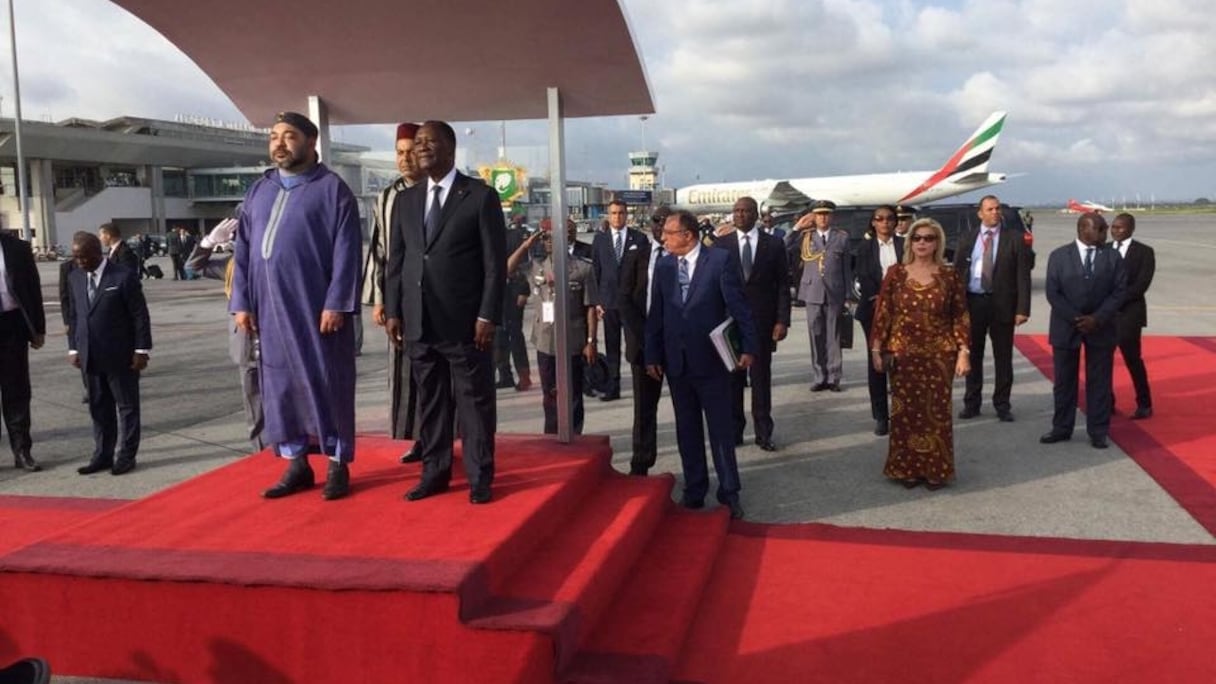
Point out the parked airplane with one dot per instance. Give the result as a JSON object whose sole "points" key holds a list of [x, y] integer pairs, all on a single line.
{"points": [[964, 171], [1075, 207]]}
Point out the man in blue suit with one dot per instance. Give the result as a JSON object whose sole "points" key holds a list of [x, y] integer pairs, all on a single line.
{"points": [[109, 336], [1085, 287], [694, 290]]}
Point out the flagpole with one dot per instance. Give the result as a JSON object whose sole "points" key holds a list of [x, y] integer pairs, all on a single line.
{"points": [[23, 203]]}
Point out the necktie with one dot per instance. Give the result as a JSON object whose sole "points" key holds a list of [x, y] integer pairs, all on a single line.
{"points": [[986, 265], [684, 279], [92, 289], [432, 217], [747, 256], [1089, 262], [1119, 246], [619, 244]]}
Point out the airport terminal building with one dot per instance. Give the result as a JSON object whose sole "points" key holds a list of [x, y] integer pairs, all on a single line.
{"points": [[147, 175]]}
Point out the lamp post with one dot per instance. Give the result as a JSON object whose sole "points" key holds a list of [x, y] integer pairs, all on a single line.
{"points": [[21, 199]]}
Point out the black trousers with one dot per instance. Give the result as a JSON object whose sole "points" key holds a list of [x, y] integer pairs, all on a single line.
{"points": [[546, 365], [179, 266], [509, 343], [1129, 347], [1099, 366], [880, 408], [114, 408], [761, 374], [15, 380], [613, 332], [443, 371], [646, 394], [987, 323], [402, 394]]}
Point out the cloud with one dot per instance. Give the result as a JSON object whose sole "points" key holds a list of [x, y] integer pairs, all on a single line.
{"points": [[1104, 96]]}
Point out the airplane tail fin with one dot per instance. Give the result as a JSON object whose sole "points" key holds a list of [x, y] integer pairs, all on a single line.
{"points": [[1076, 206], [969, 163]]}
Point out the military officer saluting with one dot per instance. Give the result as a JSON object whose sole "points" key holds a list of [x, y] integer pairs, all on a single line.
{"points": [[580, 308]]}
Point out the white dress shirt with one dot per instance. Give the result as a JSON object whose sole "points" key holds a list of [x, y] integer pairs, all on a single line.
{"points": [[445, 184], [886, 254]]}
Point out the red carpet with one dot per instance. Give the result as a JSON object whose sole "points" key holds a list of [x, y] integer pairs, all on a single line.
{"points": [[577, 574], [1176, 446]]}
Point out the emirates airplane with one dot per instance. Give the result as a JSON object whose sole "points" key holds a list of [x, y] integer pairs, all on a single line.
{"points": [[964, 171], [1075, 207]]}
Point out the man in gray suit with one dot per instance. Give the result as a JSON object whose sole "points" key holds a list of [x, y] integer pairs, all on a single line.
{"points": [[826, 283], [1086, 281]]}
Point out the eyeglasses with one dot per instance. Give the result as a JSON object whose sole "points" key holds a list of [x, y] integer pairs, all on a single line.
{"points": [[922, 237]]}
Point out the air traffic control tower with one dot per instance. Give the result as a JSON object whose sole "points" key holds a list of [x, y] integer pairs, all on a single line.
{"points": [[643, 172]]}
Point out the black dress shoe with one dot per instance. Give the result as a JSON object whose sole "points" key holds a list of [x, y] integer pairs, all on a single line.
{"points": [[766, 444], [835, 387], [122, 466], [611, 396], [1053, 437], [968, 412], [425, 489], [1099, 442], [882, 427], [480, 495], [94, 467], [639, 471], [296, 478], [819, 387], [505, 383], [1004, 416], [414, 455], [337, 481], [736, 510], [26, 671], [1142, 413], [692, 504], [25, 462], [523, 385]]}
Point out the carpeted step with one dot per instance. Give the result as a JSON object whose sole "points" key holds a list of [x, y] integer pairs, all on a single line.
{"points": [[30, 518], [638, 640], [569, 579]]}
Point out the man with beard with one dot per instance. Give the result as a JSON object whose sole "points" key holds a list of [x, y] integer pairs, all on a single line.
{"points": [[295, 284], [401, 390]]}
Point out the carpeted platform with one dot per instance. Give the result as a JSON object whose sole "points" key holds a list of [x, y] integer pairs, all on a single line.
{"points": [[1176, 446], [577, 574]]}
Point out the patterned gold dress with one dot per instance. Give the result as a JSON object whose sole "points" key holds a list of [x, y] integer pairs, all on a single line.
{"points": [[923, 327]]}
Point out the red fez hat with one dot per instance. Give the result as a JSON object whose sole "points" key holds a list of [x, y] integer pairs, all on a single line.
{"points": [[406, 130]]}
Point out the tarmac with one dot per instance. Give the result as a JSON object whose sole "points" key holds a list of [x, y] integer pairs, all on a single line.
{"points": [[828, 467]]}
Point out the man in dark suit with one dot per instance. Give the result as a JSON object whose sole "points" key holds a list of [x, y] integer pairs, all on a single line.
{"points": [[110, 337], [1140, 262], [607, 251], [881, 250], [996, 265], [22, 325], [115, 250], [695, 289], [1086, 283], [760, 258], [443, 298], [637, 272], [174, 245]]}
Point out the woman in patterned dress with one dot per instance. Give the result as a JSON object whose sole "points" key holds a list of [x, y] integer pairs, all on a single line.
{"points": [[921, 336]]}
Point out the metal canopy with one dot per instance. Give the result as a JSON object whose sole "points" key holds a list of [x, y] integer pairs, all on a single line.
{"points": [[378, 61]]}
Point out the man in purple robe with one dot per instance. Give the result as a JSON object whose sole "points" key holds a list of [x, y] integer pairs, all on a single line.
{"points": [[295, 284]]}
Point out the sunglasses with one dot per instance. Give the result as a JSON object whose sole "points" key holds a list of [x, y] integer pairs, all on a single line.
{"points": [[884, 219], [923, 238]]}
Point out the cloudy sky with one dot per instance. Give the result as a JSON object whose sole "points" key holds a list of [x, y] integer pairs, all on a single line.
{"points": [[1106, 98]]}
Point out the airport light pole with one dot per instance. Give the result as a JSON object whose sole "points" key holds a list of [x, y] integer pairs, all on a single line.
{"points": [[21, 199]]}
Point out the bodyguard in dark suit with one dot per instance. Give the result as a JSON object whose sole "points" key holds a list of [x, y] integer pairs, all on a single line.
{"points": [[607, 251], [998, 299], [22, 325], [1085, 287], [637, 272], [443, 298], [109, 337], [1140, 262], [115, 250], [760, 258], [879, 251], [695, 289]]}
